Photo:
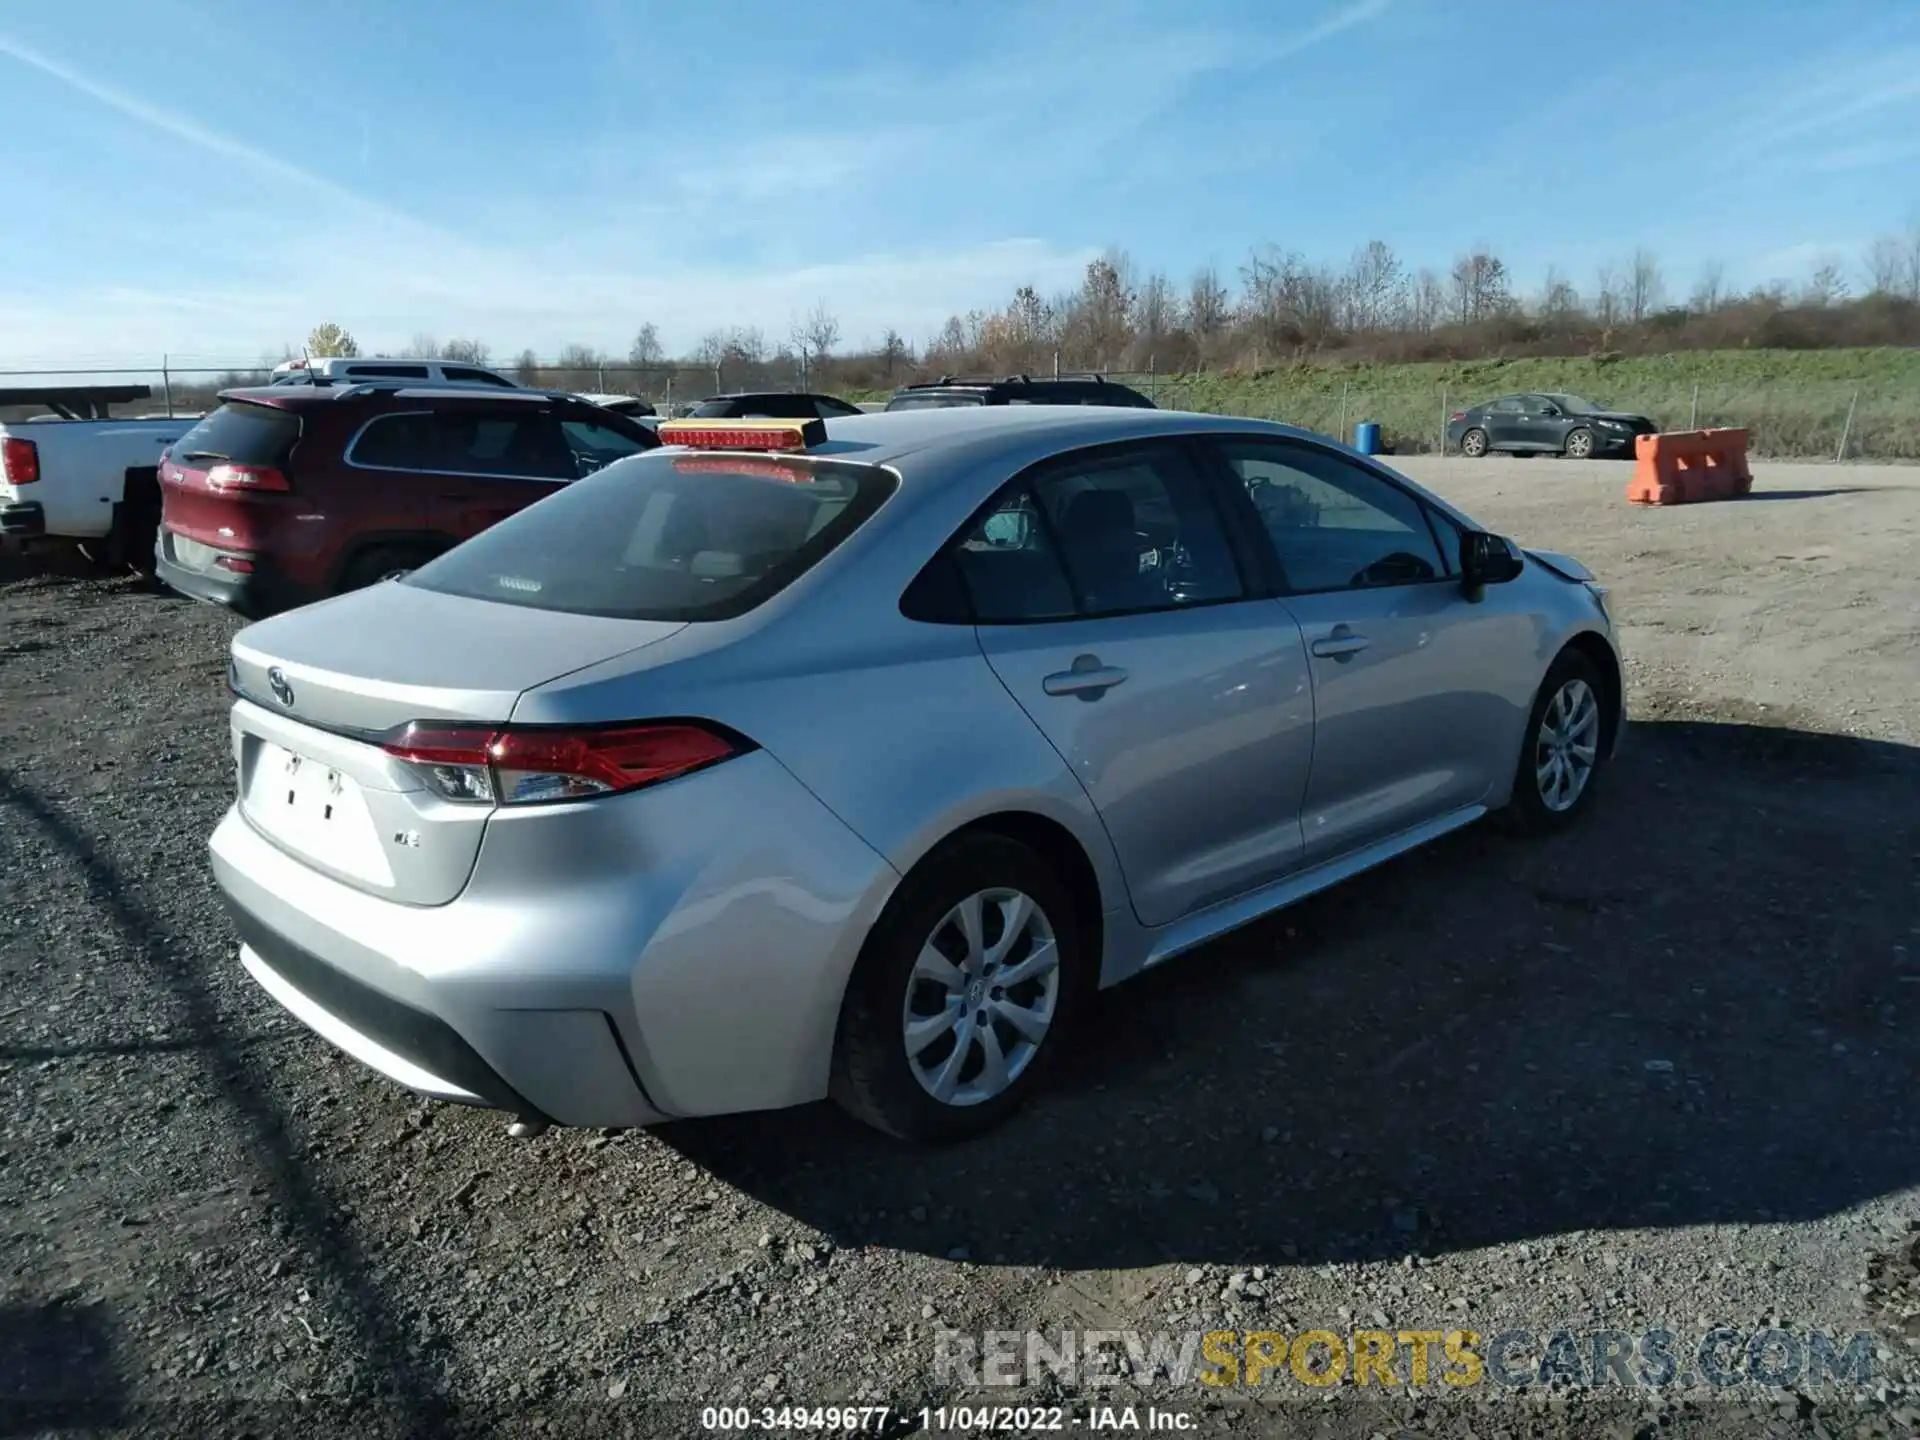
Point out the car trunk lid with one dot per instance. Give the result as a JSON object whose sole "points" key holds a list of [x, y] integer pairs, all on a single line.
{"points": [[321, 687]]}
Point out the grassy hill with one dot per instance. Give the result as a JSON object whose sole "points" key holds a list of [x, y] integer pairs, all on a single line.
{"points": [[1795, 402]]}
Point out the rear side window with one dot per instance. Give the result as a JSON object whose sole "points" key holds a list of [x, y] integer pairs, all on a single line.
{"points": [[933, 402], [240, 434], [387, 372], [522, 445], [666, 537]]}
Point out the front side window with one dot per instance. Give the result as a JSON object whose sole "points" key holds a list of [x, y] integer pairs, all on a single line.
{"points": [[1334, 525], [475, 377], [666, 536]]}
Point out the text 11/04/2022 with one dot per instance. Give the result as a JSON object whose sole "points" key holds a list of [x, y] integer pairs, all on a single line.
{"points": [[969, 1419]]}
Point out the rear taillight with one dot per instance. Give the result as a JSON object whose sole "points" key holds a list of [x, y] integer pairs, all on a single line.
{"points": [[488, 765], [1458, 415], [247, 477], [19, 461]]}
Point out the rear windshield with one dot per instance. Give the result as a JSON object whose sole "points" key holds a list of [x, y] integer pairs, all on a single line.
{"points": [[934, 402], [666, 537], [239, 433]]}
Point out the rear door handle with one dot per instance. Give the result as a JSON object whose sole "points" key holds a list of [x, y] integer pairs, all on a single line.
{"points": [[1088, 678], [1337, 647]]}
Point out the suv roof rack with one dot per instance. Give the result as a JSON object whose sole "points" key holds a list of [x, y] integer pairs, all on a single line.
{"points": [[414, 390]]}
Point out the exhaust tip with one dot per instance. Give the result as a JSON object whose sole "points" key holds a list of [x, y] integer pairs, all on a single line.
{"points": [[524, 1129]]}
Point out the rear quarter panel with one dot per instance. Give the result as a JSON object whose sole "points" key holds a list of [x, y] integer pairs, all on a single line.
{"points": [[84, 465]]}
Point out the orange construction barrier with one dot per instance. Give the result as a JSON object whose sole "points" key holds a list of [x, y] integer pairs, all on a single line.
{"points": [[1688, 466]]}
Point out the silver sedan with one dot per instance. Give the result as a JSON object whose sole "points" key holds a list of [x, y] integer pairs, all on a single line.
{"points": [[735, 777]]}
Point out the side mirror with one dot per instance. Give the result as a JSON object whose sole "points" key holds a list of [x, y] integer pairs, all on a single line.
{"points": [[1488, 560], [1552, 412]]}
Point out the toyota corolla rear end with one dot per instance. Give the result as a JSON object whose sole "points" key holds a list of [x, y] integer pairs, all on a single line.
{"points": [[604, 922]]}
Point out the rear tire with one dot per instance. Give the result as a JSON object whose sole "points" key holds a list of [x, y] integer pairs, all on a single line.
{"points": [[1473, 444], [917, 982], [1567, 725]]}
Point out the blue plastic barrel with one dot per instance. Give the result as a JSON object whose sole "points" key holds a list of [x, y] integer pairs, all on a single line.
{"points": [[1366, 438]]}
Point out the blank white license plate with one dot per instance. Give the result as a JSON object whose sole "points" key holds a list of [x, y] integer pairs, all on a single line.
{"points": [[317, 810]]}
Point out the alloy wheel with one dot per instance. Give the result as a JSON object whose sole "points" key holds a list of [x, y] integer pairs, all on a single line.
{"points": [[982, 997], [1567, 746]]}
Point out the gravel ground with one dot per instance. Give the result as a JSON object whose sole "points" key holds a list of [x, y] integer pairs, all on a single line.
{"points": [[1655, 1073]]}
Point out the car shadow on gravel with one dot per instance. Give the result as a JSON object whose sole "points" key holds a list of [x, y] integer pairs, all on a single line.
{"points": [[306, 1200], [1697, 1006], [77, 1344]]}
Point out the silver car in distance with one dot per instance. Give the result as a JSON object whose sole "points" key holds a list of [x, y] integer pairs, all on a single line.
{"points": [[735, 776]]}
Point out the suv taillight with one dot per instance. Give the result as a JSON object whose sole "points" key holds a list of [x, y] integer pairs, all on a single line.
{"points": [[496, 766], [247, 477], [19, 461]]}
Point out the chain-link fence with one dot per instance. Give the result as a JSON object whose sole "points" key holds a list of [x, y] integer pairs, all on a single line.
{"points": [[1826, 418]]}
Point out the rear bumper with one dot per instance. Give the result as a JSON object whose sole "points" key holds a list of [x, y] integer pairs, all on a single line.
{"points": [[610, 964], [261, 592], [23, 520]]}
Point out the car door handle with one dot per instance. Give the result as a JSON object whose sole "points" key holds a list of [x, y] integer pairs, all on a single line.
{"points": [[1087, 678], [1337, 647]]}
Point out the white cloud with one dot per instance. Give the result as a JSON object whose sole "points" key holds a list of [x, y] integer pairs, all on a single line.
{"points": [[513, 306], [294, 246]]}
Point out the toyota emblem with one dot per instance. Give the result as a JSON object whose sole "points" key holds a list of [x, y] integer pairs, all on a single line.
{"points": [[282, 691]]}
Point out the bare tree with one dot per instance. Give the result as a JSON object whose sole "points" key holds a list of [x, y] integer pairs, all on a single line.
{"points": [[645, 349], [1910, 243], [421, 347], [1643, 285], [816, 335], [894, 352], [1480, 287], [1427, 306], [1559, 302], [331, 341], [1209, 307], [1372, 288], [1289, 301], [711, 349], [1710, 290], [1608, 301], [1885, 265], [467, 352], [1156, 311], [1826, 286], [527, 368], [1105, 304]]}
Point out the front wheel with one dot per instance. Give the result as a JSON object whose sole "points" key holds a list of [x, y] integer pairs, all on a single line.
{"points": [[963, 996], [1565, 749], [1579, 445]]}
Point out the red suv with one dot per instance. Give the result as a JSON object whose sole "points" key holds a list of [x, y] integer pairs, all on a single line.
{"points": [[286, 495]]}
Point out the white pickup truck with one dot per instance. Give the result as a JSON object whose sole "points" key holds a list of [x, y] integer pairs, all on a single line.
{"points": [[75, 473]]}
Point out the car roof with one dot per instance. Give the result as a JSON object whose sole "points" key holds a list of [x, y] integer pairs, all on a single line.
{"points": [[883, 437], [375, 391]]}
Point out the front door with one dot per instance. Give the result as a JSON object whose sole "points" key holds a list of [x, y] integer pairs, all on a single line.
{"points": [[1110, 604], [1410, 719]]}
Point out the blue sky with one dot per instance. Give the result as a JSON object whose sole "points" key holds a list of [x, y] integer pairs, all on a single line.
{"points": [[210, 178]]}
